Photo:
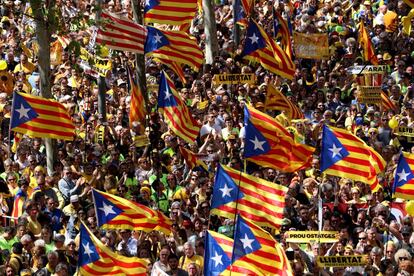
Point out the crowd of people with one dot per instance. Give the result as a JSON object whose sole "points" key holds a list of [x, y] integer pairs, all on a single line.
{"points": [[105, 155]]}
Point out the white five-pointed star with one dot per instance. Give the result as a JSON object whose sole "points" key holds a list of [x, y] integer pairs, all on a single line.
{"points": [[167, 95], [23, 112], [335, 151], [107, 209], [254, 38], [87, 250], [402, 175], [247, 242], [147, 2], [226, 190], [257, 143], [158, 38], [217, 259]]}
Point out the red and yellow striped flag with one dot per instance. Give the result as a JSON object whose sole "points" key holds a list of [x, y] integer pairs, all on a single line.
{"points": [[170, 12], [275, 100], [257, 199], [192, 159], [97, 259], [137, 106], [365, 41], [175, 112], [114, 212], [40, 117], [269, 144], [387, 103], [345, 155]]}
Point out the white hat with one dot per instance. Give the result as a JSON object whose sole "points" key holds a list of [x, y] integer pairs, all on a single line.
{"points": [[74, 198]]}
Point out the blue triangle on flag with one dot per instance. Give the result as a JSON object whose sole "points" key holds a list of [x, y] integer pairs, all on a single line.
{"points": [[150, 4], [245, 241], [166, 97], [87, 250], [105, 209], [22, 111], [216, 259], [155, 40], [254, 39], [403, 173], [332, 149], [254, 141], [225, 190]]}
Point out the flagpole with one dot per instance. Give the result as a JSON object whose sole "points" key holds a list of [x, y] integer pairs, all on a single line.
{"points": [[10, 124]]}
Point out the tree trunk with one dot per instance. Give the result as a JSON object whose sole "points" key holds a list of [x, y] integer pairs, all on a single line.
{"points": [[210, 31], [43, 40]]}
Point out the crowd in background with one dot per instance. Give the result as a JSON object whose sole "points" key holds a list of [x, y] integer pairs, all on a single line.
{"points": [[44, 240]]}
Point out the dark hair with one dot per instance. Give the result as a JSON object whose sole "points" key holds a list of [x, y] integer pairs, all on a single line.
{"points": [[172, 256]]}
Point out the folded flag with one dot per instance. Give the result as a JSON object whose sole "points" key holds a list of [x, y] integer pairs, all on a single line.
{"points": [[97, 259], [403, 179], [18, 204], [174, 66], [240, 13], [170, 12], [345, 155], [257, 199], [260, 47], [368, 52], [176, 113], [40, 117], [192, 160], [120, 33], [137, 106], [113, 212], [217, 255], [282, 29], [175, 46], [258, 248], [275, 100], [269, 144], [387, 103]]}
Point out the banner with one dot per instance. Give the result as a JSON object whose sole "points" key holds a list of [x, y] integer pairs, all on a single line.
{"points": [[406, 131], [308, 236], [311, 46], [342, 261], [367, 69], [141, 141], [370, 94], [233, 78]]}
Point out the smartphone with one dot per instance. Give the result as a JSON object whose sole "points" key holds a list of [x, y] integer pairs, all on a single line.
{"points": [[290, 254]]}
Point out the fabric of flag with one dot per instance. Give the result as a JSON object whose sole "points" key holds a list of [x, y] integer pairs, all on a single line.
{"points": [[120, 33], [404, 177], [18, 204], [257, 199], [257, 247], [387, 103], [170, 12], [218, 254], [269, 144], [176, 113], [192, 160], [240, 13], [366, 45], [260, 47], [137, 105], [345, 155], [275, 100], [175, 67], [176, 46], [409, 3], [17, 137], [97, 259], [39, 117], [284, 32], [113, 212], [247, 6]]}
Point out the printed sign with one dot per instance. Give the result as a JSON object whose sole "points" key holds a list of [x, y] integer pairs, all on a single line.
{"points": [[367, 69], [307, 236], [233, 78], [406, 131], [141, 141], [370, 94], [342, 261], [311, 46]]}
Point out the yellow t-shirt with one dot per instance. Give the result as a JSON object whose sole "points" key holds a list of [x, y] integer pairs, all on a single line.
{"points": [[198, 260], [28, 68], [34, 226]]}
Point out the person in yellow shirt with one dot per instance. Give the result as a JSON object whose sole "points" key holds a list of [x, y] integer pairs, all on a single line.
{"points": [[190, 257], [24, 66]]}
